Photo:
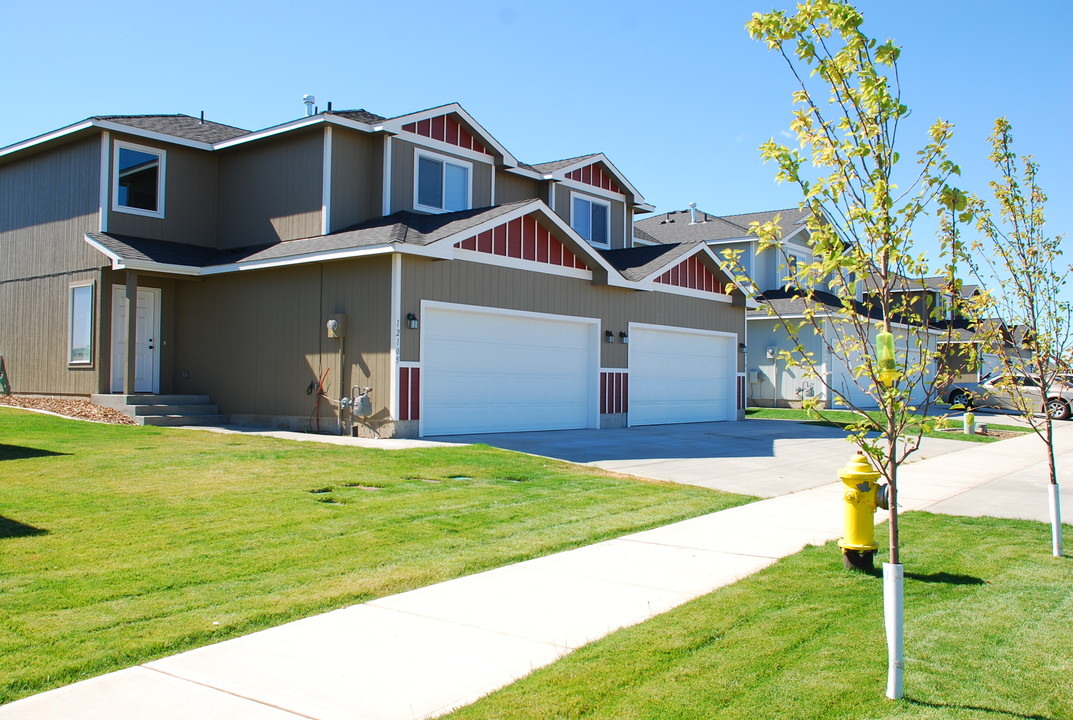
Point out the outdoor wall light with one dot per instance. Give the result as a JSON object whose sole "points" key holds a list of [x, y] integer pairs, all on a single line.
{"points": [[741, 347], [411, 320], [624, 338], [609, 336]]}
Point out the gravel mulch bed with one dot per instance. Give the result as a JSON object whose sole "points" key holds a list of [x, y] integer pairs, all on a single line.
{"points": [[77, 408]]}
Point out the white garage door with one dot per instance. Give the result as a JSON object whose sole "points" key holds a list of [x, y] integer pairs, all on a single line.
{"points": [[679, 376], [506, 372]]}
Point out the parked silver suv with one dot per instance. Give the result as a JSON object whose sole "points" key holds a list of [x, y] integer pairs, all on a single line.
{"points": [[1001, 391]]}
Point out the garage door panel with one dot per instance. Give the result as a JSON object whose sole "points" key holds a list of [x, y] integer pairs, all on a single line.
{"points": [[500, 372], [678, 376]]}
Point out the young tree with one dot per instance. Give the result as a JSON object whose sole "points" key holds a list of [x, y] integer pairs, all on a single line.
{"points": [[847, 116], [1025, 266]]}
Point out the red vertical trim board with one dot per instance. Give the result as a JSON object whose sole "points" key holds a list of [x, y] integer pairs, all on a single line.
{"points": [[603, 393], [625, 392], [514, 238], [404, 393], [415, 393]]}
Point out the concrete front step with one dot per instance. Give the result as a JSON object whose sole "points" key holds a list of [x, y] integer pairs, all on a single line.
{"points": [[164, 410], [172, 420]]}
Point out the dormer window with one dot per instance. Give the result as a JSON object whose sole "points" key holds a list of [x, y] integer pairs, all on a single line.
{"points": [[442, 184], [591, 219], [138, 180]]}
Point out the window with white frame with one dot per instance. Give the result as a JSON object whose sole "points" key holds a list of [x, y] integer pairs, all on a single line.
{"points": [[138, 179], [441, 184], [591, 219], [80, 325]]}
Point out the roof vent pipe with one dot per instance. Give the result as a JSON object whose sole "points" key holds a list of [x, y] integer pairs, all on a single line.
{"points": [[692, 213], [202, 120], [309, 100]]}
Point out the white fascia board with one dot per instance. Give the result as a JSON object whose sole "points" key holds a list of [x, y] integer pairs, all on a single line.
{"points": [[118, 263], [47, 137], [151, 135], [600, 157], [519, 264], [700, 250], [395, 125], [446, 147], [653, 286], [115, 259], [593, 190], [298, 259], [641, 208], [532, 175], [269, 132]]}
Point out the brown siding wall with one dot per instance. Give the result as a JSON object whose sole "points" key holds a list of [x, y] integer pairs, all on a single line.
{"points": [[33, 335], [402, 177], [254, 341], [491, 286], [271, 191], [357, 162], [190, 187], [510, 188], [47, 202]]}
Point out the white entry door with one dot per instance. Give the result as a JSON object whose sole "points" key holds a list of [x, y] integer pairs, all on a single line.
{"points": [[678, 375], [486, 370], [146, 350]]}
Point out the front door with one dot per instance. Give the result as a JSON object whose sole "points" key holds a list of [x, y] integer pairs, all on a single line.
{"points": [[146, 349]]}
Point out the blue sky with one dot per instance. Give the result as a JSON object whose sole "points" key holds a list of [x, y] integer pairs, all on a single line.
{"points": [[675, 93]]}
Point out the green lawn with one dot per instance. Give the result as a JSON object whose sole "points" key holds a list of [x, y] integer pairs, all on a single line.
{"points": [[120, 544], [841, 418], [989, 632]]}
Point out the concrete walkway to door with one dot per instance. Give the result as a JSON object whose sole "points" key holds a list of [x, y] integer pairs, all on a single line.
{"points": [[421, 653]]}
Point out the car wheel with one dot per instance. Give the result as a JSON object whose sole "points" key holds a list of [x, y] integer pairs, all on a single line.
{"points": [[1058, 409], [961, 397]]}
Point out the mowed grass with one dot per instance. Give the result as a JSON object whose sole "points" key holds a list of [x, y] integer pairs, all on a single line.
{"points": [[121, 544], [989, 632], [933, 428]]}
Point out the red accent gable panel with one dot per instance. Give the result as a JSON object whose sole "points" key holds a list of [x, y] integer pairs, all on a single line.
{"points": [[594, 175], [446, 129], [499, 240], [524, 238], [529, 239], [514, 238]]}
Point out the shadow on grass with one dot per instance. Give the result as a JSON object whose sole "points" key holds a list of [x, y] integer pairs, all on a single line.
{"points": [[938, 577], [18, 452], [975, 708], [13, 528]]}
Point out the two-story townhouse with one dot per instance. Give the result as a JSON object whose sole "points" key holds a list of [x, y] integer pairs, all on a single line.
{"points": [[771, 381], [414, 255]]}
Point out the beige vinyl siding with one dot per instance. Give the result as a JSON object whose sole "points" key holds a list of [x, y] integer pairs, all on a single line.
{"points": [[484, 285], [402, 176], [190, 193], [564, 205], [254, 341], [33, 335], [48, 201], [510, 188], [271, 191], [357, 161]]}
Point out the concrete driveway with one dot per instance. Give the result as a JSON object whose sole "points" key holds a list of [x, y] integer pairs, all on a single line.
{"points": [[765, 458]]}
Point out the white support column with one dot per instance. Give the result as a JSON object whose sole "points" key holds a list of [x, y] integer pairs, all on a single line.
{"points": [[386, 209], [396, 334]]}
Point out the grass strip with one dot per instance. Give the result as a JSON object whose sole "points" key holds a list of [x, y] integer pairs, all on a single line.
{"points": [[989, 624], [122, 544], [842, 418]]}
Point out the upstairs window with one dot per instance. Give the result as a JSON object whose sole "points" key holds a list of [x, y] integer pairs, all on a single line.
{"points": [[441, 184], [592, 220], [138, 185]]}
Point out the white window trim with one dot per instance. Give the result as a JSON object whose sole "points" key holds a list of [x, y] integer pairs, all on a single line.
{"points": [[91, 284], [161, 175], [447, 159], [592, 200]]}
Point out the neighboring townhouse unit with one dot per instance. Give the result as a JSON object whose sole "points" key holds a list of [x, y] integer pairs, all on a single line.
{"points": [[771, 381], [413, 255]]}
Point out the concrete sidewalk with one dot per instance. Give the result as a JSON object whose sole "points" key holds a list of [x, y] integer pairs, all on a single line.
{"points": [[421, 653]]}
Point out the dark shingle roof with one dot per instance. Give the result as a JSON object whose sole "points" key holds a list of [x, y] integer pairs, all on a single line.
{"points": [[637, 263], [675, 226], [792, 301], [181, 126], [550, 167], [401, 227], [933, 284], [359, 115]]}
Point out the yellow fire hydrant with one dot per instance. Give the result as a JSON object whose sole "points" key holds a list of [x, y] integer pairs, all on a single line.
{"points": [[860, 493]]}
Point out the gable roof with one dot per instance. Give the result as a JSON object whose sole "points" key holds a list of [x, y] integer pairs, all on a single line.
{"points": [[178, 125], [638, 263], [911, 284], [550, 167], [675, 226]]}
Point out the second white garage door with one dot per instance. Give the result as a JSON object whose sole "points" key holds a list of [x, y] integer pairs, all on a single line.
{"points": [[680, 376], [496, 371]]}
